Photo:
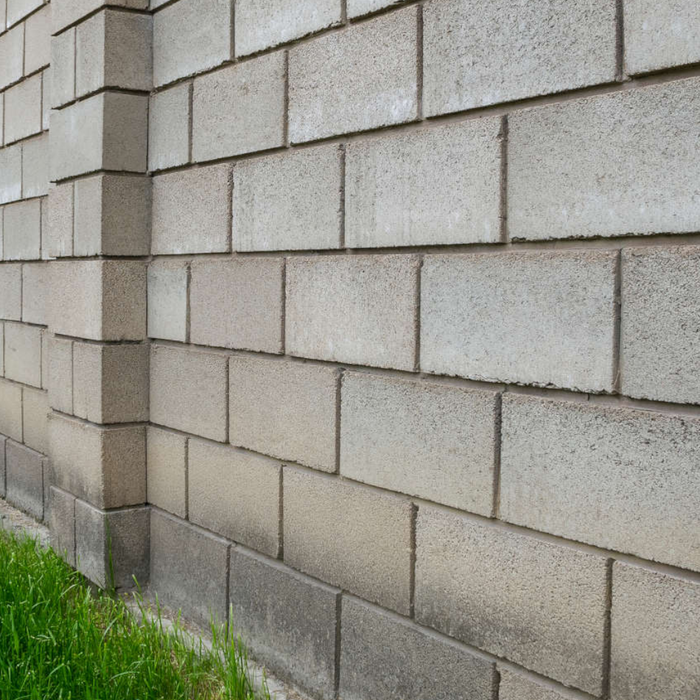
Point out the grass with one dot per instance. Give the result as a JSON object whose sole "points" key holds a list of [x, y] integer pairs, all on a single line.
{"points": [[60, 639]]}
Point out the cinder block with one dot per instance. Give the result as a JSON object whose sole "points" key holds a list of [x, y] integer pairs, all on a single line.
{"points": [[289, 621], [59, 239], [355, 80], [167, 470], [189, 391], [3, 441], [112, 216], [35, 412], [293, 416], [60, 375], [262, 25], [45, 345], [11, 56], [22, 230], [3, 15], [354, 537], [105, 466], [35, 291], [167, 299], [11, 292], [66, 12], [239, 109], [62, 524], [168, 127], [356, 8], [45, 98], [18, 9], [290, 201], [411, 189], [35, 166], [189, 37], [428, 440], [11, 410], [62, 66], [25, 479], [23, 109], [2, 349], [660, 357], [538, 604], [192, 211], [573, 291], [37, 40], [384, 657], [113, 49], [23, 353], [238, 303], [582, 168], [479, 54], [236, 494], [10, 171], [195, 583], [2, 105], [358, 309], [518, 686]]}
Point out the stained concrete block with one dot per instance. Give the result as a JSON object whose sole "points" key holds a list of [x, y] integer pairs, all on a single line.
{"points": [[23, 109], [289, 621], [189, 391], [10, 173], [167, 299], [262, 25], [60, 375], [551, 318], [356, 80], [195, 583], [169, 127], [191, 211], [166, 459], [353, 537], [22, 230], [583, 168], [59, 240], [238, 303], [189, 37], [23, 353], [428, 440], [357, 8], [11, 292], [66, 12], [235, 494], [35, 166], [660, 357], [11, 56], [37, 40], [293, 415], [357, 309], [25, 479], [239, 109], [35, 291], [478, 54], [19, 9], [62, 524], [290, 201], [35, 416], [62, 67], [385, 657], [11, 410], [538, 604], [518, 686]]}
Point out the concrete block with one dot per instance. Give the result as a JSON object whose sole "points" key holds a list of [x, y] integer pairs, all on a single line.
{"points": [[167, 299], [189, 391], [583, 168], [113, 49], [62, 67], [37, 40], [655, 635], [238, 303], [660, 357], [23, 109], [551, 318], [2, 110], [554, 451], [25, 479], [45, 345], [11, 56], [538, 604], [538, 49], [356, 80], [518, 686], [239, 109], [22, 230], [23, 353], [428, 440], [353, 537], [105, 466], [19, 9], [3, 441], [357, 8], [59, 239], [45, 99], [411, 189], [3, 15], [35, 292], [11, 410], [35, 416], [11, 292], [112, 216], [60, 379], [358, 309], [195, 583], [290, 201], [10, 172], [385, 657], [166, 459], [293, 416], [236, 494], [35, 166], [262, 25], [67, 12], [190, 38], [62, 524], [2, 349], [192, 211], [289, 621], [169, 127]]}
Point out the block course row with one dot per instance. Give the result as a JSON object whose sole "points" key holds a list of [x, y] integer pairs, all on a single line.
{"points": [[24, 169], [25, 48]]}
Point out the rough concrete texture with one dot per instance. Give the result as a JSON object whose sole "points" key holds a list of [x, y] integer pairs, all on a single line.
{"points": [[2, 349], [166, 460], [11, 56], [23, 109], [385, 657], [22, 230], [289, 620], [517, 686], [11, 292], [60, 375], [25, 479], [290, 201], [583, 168], [10, 173], [35, 166], [35, 288], [293, 414], [655, 635], [35, 410], [188, 391], [62, 67], [238, 303], [11, 410], [479, 53], [37, 40], [660, 355], [167, 299], [239, 109], [358, 310], [354, 81], [168, 127], [62, 524], [66, 12], [357, 8], [354, 537], [430, 187], [19, 9], [538, 604], [23, 353], [528, 318], [436, 442], [191, 211], [58, 242]]}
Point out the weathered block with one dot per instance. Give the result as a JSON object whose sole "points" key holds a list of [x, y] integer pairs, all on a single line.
{"points": [[23, 109], [58, 242], [22, 230], [11, 410], [167, 470], [62, 524], [518, 686], [11, 292], [11, 56], [19, 9], [35, 417], [10, 172], [168, 127], [167, 299], [62, 66], [35, 292], [60, 375], [23, 353], [25, 479], [35, 166], [37, 40]]}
